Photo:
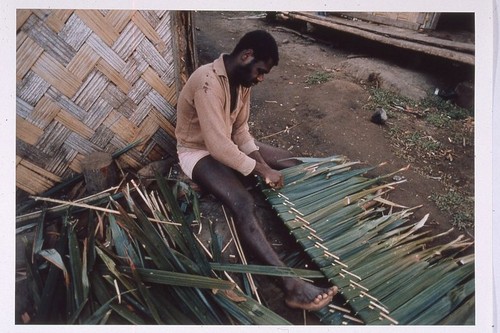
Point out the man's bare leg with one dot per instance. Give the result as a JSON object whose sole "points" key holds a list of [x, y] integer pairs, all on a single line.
{"points": [[222, 182]]}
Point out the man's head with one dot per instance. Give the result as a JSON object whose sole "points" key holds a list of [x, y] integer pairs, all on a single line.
{"points": [[263, 45], [256, 53]]}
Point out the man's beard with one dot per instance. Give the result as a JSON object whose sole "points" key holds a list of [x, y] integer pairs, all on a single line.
{"points": [[244, 74]]}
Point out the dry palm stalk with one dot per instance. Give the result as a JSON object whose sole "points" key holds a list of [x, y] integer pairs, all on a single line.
{"points": [[239, 248]]}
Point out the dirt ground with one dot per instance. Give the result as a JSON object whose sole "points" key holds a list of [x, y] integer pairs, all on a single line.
{"points": [[333, 117]]}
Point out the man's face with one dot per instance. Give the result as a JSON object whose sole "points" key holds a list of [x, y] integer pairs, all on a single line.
{"points": [[253, 72]]}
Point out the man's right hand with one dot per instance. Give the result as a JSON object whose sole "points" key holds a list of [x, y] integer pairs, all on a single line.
{"points": [[271, 177]]}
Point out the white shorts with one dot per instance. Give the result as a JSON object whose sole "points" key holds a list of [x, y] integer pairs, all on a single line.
{"points": [[189, 158]]}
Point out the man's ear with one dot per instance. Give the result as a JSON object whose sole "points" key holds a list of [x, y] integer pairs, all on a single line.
{"points": [[246, 56]]}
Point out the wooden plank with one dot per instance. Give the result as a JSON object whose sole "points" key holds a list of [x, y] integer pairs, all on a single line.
{"points": [[114, 76], [395, 32], [44, 112], [74, 124], [387, 39], [57, 75], [27, 132], [384, 18], [26, 56], [99, 25], [83, 62]]}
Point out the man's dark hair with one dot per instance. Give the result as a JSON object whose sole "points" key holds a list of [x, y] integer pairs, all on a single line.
{"points": [[262, 43]]}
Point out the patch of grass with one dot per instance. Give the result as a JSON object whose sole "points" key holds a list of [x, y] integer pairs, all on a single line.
{"points": [[438, 119], [318, 78], [458, 205], [447, 108], [388, 99], [415, 141]]}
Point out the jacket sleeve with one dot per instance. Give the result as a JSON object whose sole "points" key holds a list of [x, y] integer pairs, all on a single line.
{"points": [[241, 131], [216, 130]]}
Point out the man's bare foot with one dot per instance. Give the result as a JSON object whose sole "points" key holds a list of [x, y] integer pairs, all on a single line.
{"points": [[303, 295]]}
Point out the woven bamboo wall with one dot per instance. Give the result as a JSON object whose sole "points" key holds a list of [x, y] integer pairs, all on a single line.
{"points": [[96, 80]]}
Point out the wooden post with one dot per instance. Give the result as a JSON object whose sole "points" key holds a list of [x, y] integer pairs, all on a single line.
{"points": [[99, 172]]}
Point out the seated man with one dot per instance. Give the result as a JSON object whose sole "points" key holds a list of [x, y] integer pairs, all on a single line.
{"points": [[214, 144]]}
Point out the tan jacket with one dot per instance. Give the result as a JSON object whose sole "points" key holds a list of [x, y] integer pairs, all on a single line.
{"points": [[205, 121]]}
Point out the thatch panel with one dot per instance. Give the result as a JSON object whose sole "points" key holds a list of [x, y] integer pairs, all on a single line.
{"points": [[27, 54], [105, 52], [114, 76], [162, 105], [44, 112], [23, 108], [93, 86], [146, 28], [102, 136], [32, 88], [32, 153], [162, 121], [56, 19], [139, 91], [50, 41], [98, 113], [67, 104], [152, 78], [27, 132], [53, 138], [56, 75], [96, 81], [29, 180], [22, 15], [83, 62], [59, 162], [128, 41], [75, 32], [74, 124], [150, 54], [76, 164], [99, 25], [119, 18]]}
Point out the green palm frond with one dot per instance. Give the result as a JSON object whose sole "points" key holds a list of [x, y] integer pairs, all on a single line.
{"points": [[378, 259]]}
